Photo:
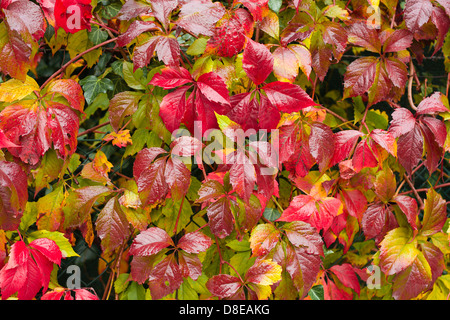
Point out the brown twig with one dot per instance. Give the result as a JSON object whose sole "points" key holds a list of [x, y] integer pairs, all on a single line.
{"points": [[414, 190], [93, 128], [444, 185]]}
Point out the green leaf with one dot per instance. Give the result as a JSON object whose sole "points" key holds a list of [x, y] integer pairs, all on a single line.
{"points": [[78, 43], [121, 283], [97, 35], [29, 216], [316, 293], [271, 214], [58, 237], [197, 47], [397, 252], [275, 5], [93, 86], [237, 245], [135, 80]]}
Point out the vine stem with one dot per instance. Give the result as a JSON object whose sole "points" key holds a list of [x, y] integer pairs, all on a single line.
{"points": [[93, 128], [403, 182], [76, 58], [222, 261], [444, 185], [411, 185], [410, 81]]}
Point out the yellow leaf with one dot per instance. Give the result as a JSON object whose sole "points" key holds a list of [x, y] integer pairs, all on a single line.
{"points": [[264, 272], [101, 163], [13, 90], [262, 291], [119, 139]]}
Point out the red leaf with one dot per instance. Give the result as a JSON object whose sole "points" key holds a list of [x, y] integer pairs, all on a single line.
{"points": [[256, 7], [298, 28], [303, 235], [56, 295], [25, 16], [13, 194], [165, 277], [399, 40], [132, 9], [190, 265], [417, 13], [223, 285], [134, 30], [166, 47], [178, 177], [213, 87], [200, 16], [318, 213], [152, 184], [161, 10], [344, 141], [230, 33], [34, 127], [48, 248], [194, 242], [249, 114], [402, 122], [362, 35], [360, 76], [257, 61], [5, 143], [221, 221], [321, 144], [287, 97], [28, 268], [431, 105], [385, 140], [150, 241], [83, 294], [301, 160], [355, 202], [243, 175], [302, 267], [377, 220], [433, 135], [210, 96], [409, 207], [364, 156], [441, 20], [70, 90], [210, 189], [437, 129], [112, 226], [347, 276], [170, 78], [397, 72], [73, 15], [332, 292], [410, 149], [186, 146], [174, 107]]}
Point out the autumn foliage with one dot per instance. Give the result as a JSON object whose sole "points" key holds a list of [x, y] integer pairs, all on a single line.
{"points": [[266, 149]]}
